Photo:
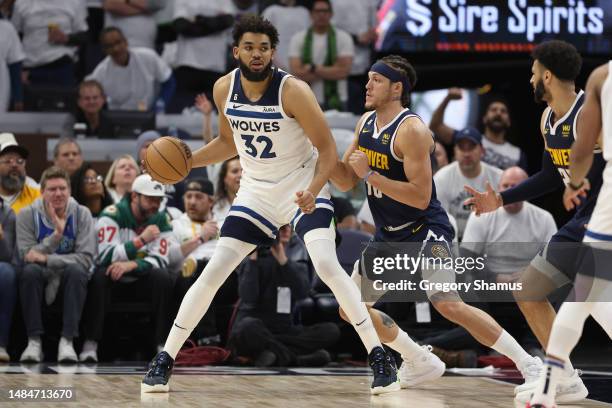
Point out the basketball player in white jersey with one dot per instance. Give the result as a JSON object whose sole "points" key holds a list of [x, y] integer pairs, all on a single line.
{"points": [[273, 122], [391, 154], [594, 280]]}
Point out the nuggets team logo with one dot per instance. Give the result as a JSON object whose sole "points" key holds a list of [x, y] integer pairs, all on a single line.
{"points": [[385, 138], [439, 251], [565, 130]]}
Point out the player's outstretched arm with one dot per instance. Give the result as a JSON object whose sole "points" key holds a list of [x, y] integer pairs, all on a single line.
{"points": [[343, 176], [414, 144], [223, 147], [300, 102]]}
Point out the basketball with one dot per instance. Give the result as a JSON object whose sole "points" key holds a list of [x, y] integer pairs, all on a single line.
{"points": [[168, 160]]}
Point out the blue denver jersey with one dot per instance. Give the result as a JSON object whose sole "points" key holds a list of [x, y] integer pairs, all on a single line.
{"points": [[393, 218], [559, 137]]}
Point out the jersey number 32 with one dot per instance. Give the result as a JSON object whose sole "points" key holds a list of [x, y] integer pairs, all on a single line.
{"points": [[264, 143]]}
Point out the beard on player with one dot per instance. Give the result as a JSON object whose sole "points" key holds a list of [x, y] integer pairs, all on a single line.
{"points": [[539, 91], [255, 76]]}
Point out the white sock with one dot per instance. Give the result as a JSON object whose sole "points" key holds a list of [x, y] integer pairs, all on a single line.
{"points": [[227, 256], [405, 346], [34, 339], [509, 347], [323, 255], [602, 313]]}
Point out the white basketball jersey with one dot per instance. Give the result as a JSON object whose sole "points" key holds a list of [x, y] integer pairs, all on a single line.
{"points": [[270, 144], [606, 112]]}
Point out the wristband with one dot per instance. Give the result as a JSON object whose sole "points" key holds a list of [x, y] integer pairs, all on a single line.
{"points": [[574, 186], [367, 176], [313, 68], [138, 242]]}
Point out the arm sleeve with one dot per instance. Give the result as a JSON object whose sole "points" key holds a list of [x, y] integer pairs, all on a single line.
{"points": [[7, 244], [16, 85], [85, 247], [546, 180], [203, 25]]}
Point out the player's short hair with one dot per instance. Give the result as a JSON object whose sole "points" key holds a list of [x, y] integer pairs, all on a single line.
{"points": [[559, 57], [402, 65], [252, 23], [53, 172]]}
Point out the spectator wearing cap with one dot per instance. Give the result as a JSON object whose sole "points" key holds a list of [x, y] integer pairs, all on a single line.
{"points": [[56, 241], [467, 169], [498, 151], [17, 190], [196, 233], [52, 31], [134, 239], [131, 75], [67, 155]]}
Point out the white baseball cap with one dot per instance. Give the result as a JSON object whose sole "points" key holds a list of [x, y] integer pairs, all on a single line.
{"points": [[8, 143], [145, 185]]}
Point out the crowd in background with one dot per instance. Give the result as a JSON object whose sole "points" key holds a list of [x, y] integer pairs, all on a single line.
{"points": [[85, 241]]}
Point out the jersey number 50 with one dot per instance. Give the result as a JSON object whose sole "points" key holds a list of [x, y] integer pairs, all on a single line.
{"points": [[251, 150]]}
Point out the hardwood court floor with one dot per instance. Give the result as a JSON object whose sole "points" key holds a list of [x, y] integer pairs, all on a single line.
{"points": [[197, 390]]}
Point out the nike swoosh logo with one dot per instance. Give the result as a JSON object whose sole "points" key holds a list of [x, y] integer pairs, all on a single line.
{"points": [[415, 230], [361, 322], [237, 106]]}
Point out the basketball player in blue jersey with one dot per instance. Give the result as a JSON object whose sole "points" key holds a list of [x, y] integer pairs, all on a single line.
{"points": [[594, 280], [391, 153], [273, 122], [556, 64]]}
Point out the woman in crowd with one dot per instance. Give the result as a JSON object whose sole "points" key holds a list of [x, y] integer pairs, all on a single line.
{"points": [[88, 189], [227, 187], [120, 176]]}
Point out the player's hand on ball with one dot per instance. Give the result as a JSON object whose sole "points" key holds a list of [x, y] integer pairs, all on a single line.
{"points": [[306, 201], [572, 198], [359, 162], [150, 233], [483, 202]]}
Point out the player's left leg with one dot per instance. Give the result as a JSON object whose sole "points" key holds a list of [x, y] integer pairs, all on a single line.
{"points": [[317, 232]]}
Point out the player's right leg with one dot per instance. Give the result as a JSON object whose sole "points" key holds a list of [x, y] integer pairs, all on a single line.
{"points": [[317, 232], [419, 364], [239, 237]]}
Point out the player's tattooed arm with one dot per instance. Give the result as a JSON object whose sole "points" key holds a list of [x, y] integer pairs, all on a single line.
{"points": [[223, 147]]}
